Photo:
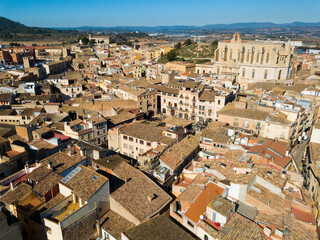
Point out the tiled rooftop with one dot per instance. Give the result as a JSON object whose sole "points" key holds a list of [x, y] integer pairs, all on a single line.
{"points": [[199, 205], [84, 181], [158, 228], [134, 193]]}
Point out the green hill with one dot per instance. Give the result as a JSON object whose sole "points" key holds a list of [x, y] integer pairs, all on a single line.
{"points": [[14, 31]]}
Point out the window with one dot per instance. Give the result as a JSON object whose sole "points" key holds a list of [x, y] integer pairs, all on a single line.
{"points": [[268, 55], [141, 142], [48, 230], [130, 139], [248, 56], [190, 224], [258, 56], [125, 137], [265, 74], [125, 145], [253, 73], [243, 72], [130, 147], [148, 144]]}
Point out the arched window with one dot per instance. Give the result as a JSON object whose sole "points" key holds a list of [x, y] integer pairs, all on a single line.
{"points": [[265, 74], [258, 56], [253, 73], [268, 56]]}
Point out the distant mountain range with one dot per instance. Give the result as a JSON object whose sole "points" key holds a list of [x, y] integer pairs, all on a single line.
{"points": [[182, 28], [14, 31]]}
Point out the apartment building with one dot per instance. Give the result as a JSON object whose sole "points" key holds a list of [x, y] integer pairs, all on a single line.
{"points": [[86, 199], [215, 138], [79, 129], [55, 67], [139, 137], [268, 122], [146, 98], [190, 100], [69, 88], [32, 190]]}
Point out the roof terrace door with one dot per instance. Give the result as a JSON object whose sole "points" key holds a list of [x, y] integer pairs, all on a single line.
{"points": [[214, 216]]}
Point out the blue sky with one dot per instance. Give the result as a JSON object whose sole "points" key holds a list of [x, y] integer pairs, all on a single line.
{"points": [[71, 13]]}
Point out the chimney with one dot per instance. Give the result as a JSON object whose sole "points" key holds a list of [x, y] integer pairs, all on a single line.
{"points": [[49, 164], [70, 152], [98, 227], [82, 151], [26, 168], [151, 197], [11, 185]]}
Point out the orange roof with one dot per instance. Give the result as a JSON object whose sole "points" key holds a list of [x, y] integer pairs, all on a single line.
{"points": [[302, 215], [276, 150], [199, 205]]}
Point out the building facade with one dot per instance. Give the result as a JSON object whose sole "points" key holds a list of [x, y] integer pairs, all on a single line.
{"points": [[250, 61]]}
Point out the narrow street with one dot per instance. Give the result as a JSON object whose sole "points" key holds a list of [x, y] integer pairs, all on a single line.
{"points": [[298, 151]]}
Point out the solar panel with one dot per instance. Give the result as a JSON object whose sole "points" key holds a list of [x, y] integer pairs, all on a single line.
{"points": [[71, 174]]}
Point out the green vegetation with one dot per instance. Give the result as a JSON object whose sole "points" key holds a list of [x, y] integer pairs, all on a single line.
{"points": [[199, 61], [178, 45], [84, 39], [187, 42], [191, 52], [170, 56], [198, 50], [13, 44], [163, 59], [127, 38]]}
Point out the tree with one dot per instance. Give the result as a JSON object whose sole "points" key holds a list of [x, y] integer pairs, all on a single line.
{"points": [[178, 45], [84, 39], [215, 43], [187, 42], [172, 55], [12, 44], [92, 42]]}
